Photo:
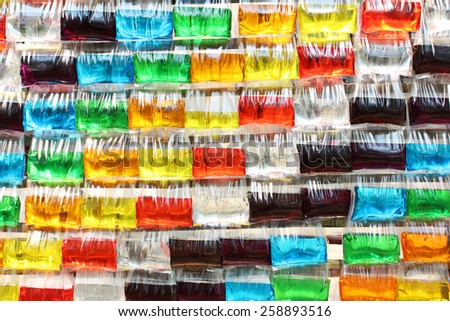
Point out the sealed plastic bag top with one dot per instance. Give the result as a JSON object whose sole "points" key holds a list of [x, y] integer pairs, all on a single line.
{"points": [[436, 14]]}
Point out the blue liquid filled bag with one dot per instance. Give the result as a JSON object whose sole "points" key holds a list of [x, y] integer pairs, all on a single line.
{"points": [[288, 250], [143, 24], [48, 114], [428, 156], [105, 68], [243, 291]]}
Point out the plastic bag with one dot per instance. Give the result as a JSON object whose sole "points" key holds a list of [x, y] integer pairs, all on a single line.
{"points": [[384, 53], [431, 52], [390, 15], [156, 108], [202, 18], [48, 63], [104, 63], [220, 202], [49, 110], [143, 250], [428, 150], [320, 57], [9, 287], [3, 6], [11, 110], [143, 285], [164, 154], [428, 196], [423, 282], [9, 64], [35, 251], [53, 208], [321, 102], [378, 149], [99, 110], [47, 287], [246, 247], [111, 158], [275, 200], [195, 248], [10, 207], [378, 99], [436, 15], [315, 16], [271, 17], [308, 283], [326, 151], [211, 108], [429, 101], [33, 20], [88, 20], [164, 206], [270, 58], [379, 198], [266, 106], [55, 158], [248, 284], [143, 19], [99, 286], [89, 250], [108, 209], [371, 244], [12, 158], [368, 283], [200, 285]]}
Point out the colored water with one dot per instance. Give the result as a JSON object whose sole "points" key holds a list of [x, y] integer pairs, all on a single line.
{"points": [[12, 168], [370, 249], [190, 21], [377, 110], [11, 116], [165, 162], [425, 247], [151, 253], [108, 213], [2, 27], [240, 291], [218, 162], [149, 292], [379, 204], [162, 67], [41, 294], [49, 114], [105, 68], [429, 110], [267, 109], [245, 252], [330, 17], [421, 290], [9, 292], [195, 253], [375, 155], [9, 211], [89, 254], [143, 24], [101, 114], [288, 288], [204, 120], [325, 202], [223, 67], [275, 206], [432, 59], [397, 15], [297, 250], [88, 24], [318, 158], [163, 212], [427, 156], [364, 288], [428, 203], [211, 208], [274, 19], [155, 111], [190, 291], [52, 69]]}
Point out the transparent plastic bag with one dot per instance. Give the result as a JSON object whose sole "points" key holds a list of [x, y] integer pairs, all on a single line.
{"points": [[100, 110], [248, 284], [211, 108], [55, 158], [325, 151], [321, 102], [12, 158], [9, 64], [9, 287], [99, 286], [144, 19], [89, 250], [88, 20], [275, 200], [428, 150], [315, 16], [271, 154], [378, 149], [220, 202], [164, 154], [266, 106], [368, 283], [436, 15], [53, 63], [378, 99], [3, 6], [145, 250], [33, 20], [53, 208], [423, 282], [429, 101], [11, 110], [35, 251], [49, 110], [246, 247], [379, 198], [272, 17], [47, 287], [109, 209], [383, 53], [391, 15], [307, 283], [371, 244], [195, 248], [427, 197], [143, 285], [321, 57], [102, 62], [425, 242], [156, 108], [431, 53], [298, 245], [111, 158], [202, 18], [10, 207], [164, 206], [200, 285]]}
